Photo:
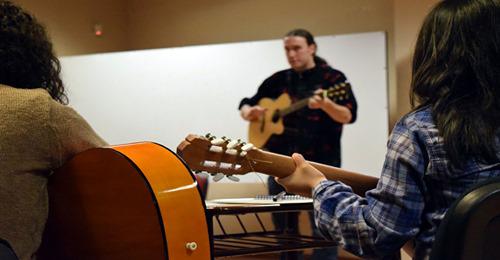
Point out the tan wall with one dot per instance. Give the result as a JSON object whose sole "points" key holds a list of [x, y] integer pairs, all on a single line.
{"points": [[142, 24], [70, 24], [156, 23], [408, 17]]}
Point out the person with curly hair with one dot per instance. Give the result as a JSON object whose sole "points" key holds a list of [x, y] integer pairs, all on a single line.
{"points": [[39, 131], [446, 145]]}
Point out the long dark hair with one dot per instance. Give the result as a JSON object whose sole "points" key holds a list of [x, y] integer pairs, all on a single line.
{"points": [[310, 40], [456, 71], [26, 56]]}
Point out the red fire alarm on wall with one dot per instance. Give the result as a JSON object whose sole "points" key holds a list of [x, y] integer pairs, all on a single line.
{"points": [[98, 29]]}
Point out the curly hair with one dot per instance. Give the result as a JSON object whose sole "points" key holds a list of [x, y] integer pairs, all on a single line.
{"points": [[456, 71], [26, 53]]}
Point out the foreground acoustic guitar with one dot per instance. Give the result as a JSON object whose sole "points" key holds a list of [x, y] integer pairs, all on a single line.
{"points": [[271, 122], [136, 201], [229, 157]]}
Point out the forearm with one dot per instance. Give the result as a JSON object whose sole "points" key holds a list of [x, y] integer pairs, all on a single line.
{"points": [[337, 112], [339, 220], [364, 226]]}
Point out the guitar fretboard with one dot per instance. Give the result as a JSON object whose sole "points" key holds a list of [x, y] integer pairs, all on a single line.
{"points": [[335, 93], [294, 107]]}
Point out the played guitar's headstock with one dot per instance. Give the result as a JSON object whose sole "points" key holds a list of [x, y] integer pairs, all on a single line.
{"points": [[338, 92], [217, 155]]}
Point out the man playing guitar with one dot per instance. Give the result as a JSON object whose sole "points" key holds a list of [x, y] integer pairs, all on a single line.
{"points": [[314, 131]]}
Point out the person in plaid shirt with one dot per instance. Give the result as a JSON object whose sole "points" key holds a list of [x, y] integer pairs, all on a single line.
{"points": [[314, 131], [448, 143]]}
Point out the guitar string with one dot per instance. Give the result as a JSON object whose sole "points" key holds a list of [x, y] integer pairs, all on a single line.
{"points": [[254, 172]]}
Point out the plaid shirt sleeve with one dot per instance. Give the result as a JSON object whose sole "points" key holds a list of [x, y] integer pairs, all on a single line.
{"points": [[380, 223]]}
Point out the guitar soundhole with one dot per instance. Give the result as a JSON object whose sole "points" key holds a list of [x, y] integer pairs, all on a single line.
{"points": [[276, 116]]}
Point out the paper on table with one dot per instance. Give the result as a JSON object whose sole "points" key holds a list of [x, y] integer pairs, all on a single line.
{"points": [[260, 201]]}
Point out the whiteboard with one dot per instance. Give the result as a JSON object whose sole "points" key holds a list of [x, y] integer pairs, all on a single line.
{"points": [[161, 95]]}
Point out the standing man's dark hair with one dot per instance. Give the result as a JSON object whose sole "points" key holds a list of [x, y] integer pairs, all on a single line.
{"points": [[26, 54], [456, 71], [310, 41]]}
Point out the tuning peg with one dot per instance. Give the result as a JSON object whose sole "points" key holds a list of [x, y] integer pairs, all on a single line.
{"points": [[210, 136], [218, 141], [246, 147], [218, 176], [197, 172], [233, 143], [233, 178]]}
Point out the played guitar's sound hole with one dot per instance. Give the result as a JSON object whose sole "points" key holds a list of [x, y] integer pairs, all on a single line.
{"points": [[276, 116]]}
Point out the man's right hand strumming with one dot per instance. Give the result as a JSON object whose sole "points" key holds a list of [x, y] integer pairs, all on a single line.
{"points": [[251, 113]]}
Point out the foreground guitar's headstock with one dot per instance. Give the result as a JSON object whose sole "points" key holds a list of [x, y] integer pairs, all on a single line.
{"points": [[218, 156]]}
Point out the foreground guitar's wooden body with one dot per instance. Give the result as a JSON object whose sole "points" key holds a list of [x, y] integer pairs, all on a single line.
{"points": [[137, 201], [261, 130]]}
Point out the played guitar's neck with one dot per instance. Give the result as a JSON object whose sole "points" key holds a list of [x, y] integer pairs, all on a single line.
{"points": [[281, 166], [294, 107], [297, 105]]}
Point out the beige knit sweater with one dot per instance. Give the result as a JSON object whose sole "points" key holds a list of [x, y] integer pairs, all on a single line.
{"points": [[37, 135]]}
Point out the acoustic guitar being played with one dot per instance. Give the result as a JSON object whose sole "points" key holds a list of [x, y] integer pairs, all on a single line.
{"points": [[235, 158], [271, 122]]}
